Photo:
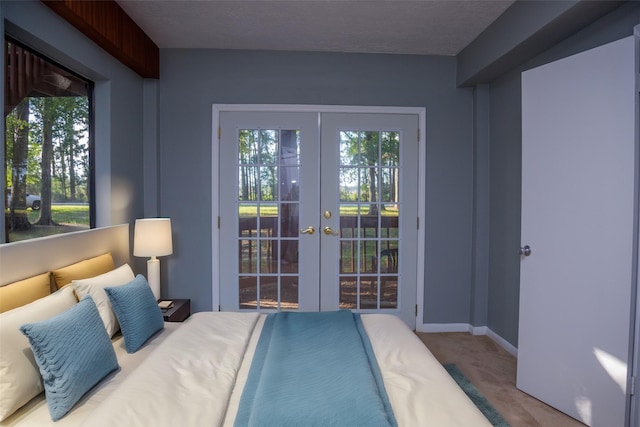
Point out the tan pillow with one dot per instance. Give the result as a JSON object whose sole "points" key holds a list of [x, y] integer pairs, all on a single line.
{"points": [[84, 269], [23, 292]]}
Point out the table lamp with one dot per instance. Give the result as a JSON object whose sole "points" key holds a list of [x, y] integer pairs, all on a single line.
{"points": [[152, 238]]}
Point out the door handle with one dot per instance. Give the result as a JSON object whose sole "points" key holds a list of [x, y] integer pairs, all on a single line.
{"points": [[330, 232], [308, 230], [525, 250]]}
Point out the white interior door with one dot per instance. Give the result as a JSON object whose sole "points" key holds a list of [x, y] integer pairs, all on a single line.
{"points": [[318, 211], [578, 197]]}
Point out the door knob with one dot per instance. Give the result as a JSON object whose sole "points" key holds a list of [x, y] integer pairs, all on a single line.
{"points": [[329, 231], [308, 230], [525, 250]]}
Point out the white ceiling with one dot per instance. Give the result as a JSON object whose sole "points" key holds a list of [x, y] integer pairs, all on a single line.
{"points": [[422, 27]]}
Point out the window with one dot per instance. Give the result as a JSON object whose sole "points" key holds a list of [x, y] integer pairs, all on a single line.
{"points": [[48, 145]]}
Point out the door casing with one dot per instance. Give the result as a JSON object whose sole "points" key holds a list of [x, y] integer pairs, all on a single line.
{"points": [[292, 108]]}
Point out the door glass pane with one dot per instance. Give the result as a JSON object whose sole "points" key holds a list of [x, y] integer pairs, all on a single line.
{"points": [[268, 167], [268, 250], [248, 253], [349, 184], [389, 292], [368, 256], [269, 292], [368, 292], [248, 291], [349, 142], [388, 256], [289, 292], [248, 219], [248, 147], [349, 292], [268, 144], [390, 155], [369, 208], [268, 220], [289, 256], [289, 183], [268, 183]]}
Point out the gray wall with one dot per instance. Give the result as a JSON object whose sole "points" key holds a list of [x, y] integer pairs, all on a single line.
{"points": [[192, 80], [118, 106], [153, 149], [505, 166], [132, 112]]}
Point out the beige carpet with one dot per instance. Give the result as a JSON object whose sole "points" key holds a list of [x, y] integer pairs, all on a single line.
{"points": [[493, 371]]}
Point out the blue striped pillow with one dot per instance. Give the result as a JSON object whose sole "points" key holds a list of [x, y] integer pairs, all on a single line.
{"points": [[137, 311], [73, 351]]}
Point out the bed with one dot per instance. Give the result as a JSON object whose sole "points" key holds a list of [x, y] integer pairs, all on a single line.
{"points": [[203, 371]]}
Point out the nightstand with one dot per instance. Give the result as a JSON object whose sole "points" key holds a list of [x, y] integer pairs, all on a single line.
{"points": [[179, 312]]}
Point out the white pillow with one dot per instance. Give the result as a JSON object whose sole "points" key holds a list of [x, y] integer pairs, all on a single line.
{"points": [[20, 379], [94, 286]]}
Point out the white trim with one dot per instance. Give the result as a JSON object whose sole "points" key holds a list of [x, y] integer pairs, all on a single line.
{"points": [[215, 209], [473, 330], [479, 330], [443, 327], [422, 180], [295, 108], [503, 343], [215, 168]]}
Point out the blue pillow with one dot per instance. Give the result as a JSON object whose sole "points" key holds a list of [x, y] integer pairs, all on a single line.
{"points": [[73, 351], [137, 311]]}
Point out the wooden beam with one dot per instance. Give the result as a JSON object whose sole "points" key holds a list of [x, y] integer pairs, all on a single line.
{"points": [[111, 28]]}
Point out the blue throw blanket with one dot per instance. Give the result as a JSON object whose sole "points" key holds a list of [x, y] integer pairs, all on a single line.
{"points": [[314, 369]]}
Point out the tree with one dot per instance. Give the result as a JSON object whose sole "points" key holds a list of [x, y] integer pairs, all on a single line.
{"points": [[73, 123], [19, 135], [248, 158], [269, 143], [369, 152], [60, 127], [362, 149], [47, 114], [390, 156]]}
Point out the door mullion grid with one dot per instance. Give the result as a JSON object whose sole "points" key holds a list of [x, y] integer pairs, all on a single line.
{"points": [[259, 224], [276, 239], [370, 244], [379, 220]]}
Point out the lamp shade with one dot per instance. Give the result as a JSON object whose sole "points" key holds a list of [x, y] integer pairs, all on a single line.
{"points": [[152, 237]]}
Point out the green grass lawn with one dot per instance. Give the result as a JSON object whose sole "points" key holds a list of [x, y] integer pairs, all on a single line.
{"points": [[69, 218], [246, 210], [64, 214]]}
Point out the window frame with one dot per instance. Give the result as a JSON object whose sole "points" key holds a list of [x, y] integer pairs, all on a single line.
{"points": [[91, 135]]}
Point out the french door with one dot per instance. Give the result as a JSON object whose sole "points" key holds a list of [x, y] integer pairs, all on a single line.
{"points": [[318, 211]]}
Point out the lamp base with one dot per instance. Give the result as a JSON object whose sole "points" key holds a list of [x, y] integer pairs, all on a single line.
{"points": [[153, 276]]}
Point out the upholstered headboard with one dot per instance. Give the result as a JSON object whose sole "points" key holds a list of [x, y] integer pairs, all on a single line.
{"points": [[24, 259]]}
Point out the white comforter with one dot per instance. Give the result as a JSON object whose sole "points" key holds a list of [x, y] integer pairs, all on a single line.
{"points": [[36, 414], [178, 387], [194, 376], [187, 381]]}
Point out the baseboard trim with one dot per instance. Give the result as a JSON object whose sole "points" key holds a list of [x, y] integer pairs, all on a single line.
{"points": [[503, 343], [444, 327], [473, 330]]}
